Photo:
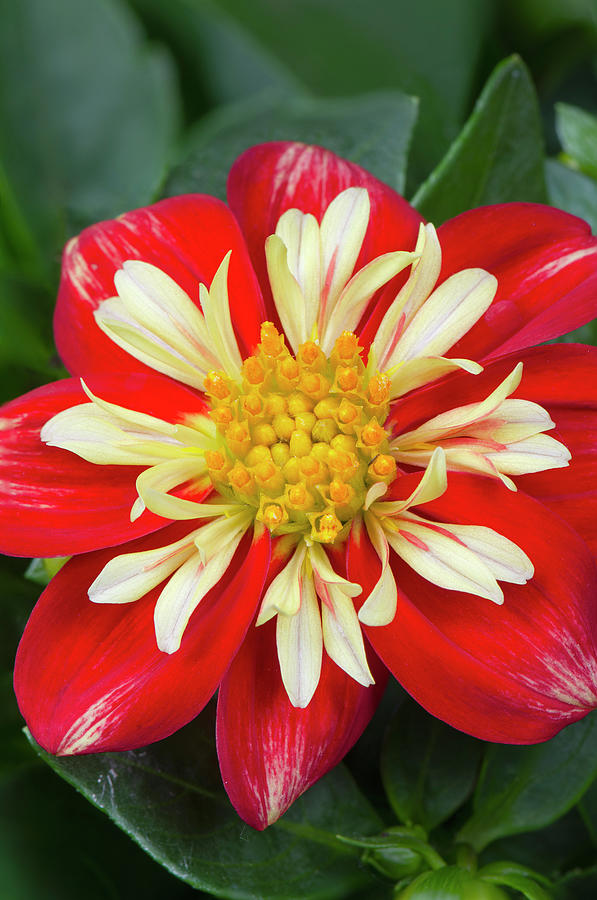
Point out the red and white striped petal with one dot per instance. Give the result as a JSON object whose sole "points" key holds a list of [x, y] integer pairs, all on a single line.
{"points": [[545, 264], [186, 237], [89, 677], [270, 751]]}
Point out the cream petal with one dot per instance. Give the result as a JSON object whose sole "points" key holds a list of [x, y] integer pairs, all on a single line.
{"points": [[284, 595], [443, 561], [130, 576], [342, 636], [216, 309], [415, 373], [300, 647], [185, 590], [287, 294], [380, 606], [300, 234], [447, 315]]}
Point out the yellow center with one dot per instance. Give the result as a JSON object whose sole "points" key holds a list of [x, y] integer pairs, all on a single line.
{"points": [[302, 438]]}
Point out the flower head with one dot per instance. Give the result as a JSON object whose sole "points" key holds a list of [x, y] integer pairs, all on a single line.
{"points": [[302, 452]]}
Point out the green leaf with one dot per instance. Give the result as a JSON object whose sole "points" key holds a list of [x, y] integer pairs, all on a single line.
{"points": [[577, 131], [577, 885], [41, 571], [55, 846], [525, 788], [373, 130], [431, 50], [450, 883], [168, 797], [428, 769], [201, 36], [498, 157], [87, 123], [517, 877], [572, 191]]}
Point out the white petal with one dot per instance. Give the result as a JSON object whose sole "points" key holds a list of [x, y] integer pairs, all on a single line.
{"points": [[380, 606], [415, 373], [342, 232], [300, 648], [183, 593], [534, 454], [132, 575], [285, 592], [342, 637], [346, 313], [458, 420], [154, 484], [115, 321], [325, 572], [300, 234], [447, 315], [431, 486], [288, 296], [216, 309], [421, 281], [443, 561], [505, 560]]}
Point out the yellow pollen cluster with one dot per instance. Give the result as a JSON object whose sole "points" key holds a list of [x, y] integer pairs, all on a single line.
{"points": [[302, 438]]}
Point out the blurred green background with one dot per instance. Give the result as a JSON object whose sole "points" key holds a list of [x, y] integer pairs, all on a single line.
{"points": [[107, 104]]}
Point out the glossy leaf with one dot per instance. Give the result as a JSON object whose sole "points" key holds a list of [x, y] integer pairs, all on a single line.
{"points": [[428, 768], [169, 798], [497, 158], [525, 788], [572, 191], [90, 118], [577, 131], [372, 130], [431, 50]]}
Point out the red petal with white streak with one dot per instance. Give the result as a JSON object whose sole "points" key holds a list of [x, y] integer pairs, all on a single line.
{"points": [[545, 261], [269, 751], [516, 673], [90, 678], [53, 503], [187, 237], [271, 178]]}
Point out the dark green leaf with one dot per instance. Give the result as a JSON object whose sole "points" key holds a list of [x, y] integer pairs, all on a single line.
{"points": [[428, 768], [373, 130], [431, 50], [525, 788], [169, 798], [55, 846], [577, 885], [498, 157], [577, 130], [572, 191], [86, 126], [202, 36]]}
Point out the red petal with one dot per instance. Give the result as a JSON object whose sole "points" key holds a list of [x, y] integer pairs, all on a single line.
{"points": [[187, 237], [516, 673], [53, 502], [546, 265], [269, 179], [90, 677], [270, 752]]}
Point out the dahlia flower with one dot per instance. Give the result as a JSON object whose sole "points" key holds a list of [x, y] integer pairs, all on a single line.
{"points": [[307, 441]]}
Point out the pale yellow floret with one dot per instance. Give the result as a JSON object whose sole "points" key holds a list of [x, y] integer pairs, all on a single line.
{"points": [[299, 643], [496, 437], [155, 321]]}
